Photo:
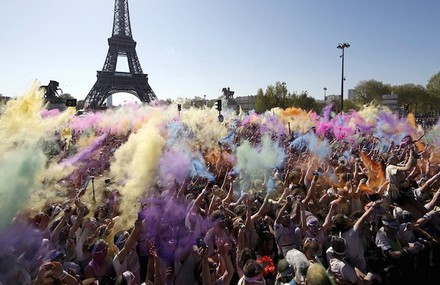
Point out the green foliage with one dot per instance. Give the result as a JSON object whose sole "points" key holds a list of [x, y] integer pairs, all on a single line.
{"points": [[433, 86], [278, 96], [368, 91], [274, 96], [415, 95], [303, 101], [351, 105]]}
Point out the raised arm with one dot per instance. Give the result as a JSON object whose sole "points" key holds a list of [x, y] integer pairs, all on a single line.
{"points": [[328, 219], [134, 236], [357, 226], [408, 165], [311, 190], [429, 182], [55, 236], [263, 209]]}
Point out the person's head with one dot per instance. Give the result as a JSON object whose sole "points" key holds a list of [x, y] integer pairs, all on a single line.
{"points": [[285, 271], [120, 238], [41, 221], [219, 219], [101, 212], [402, 216], [296, 190], [126, 278], [317, 275], [253, 272], [339, 246], [341, 223], [299, 263], [99, 251], [310, 248], [240, 210], [390, 225], [313, 224], [266, 242], [237, 224], [285, 219], [244, 255], [393, 160]]}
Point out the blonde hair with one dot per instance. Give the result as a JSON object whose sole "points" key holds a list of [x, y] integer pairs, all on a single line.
{"points": [[317, 275]]}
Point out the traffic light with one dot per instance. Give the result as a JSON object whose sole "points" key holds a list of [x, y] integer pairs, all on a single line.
{"points": [[218, 105], [406, 107], [179, 107]]}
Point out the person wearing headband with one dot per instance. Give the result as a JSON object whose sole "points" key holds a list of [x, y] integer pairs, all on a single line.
{"points": [[252, 274]]}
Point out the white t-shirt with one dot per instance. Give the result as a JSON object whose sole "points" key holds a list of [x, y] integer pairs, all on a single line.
{"points": [[130, 262], [342, 272], [355, 250]]}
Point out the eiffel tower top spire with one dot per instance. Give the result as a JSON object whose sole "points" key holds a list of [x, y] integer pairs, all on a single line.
{"points": [[121, 21], [109, 80]]}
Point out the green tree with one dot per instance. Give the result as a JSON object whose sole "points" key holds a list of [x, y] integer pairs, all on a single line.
{"points": [[433, 86], [260, 102], [367, 91], [303, 101], [415, 95], [274, 96], [351, 105], [433, 89]]}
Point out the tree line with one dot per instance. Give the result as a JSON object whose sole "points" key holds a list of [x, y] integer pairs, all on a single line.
{"points": [[421, 100]]}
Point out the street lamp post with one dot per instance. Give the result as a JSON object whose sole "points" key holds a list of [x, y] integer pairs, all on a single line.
{"points": [[342, 47]]}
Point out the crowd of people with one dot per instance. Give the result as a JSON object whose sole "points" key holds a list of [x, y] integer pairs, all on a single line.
{"points": [[364, 213]]}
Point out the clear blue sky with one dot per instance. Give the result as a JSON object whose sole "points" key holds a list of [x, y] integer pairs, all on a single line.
{"points": [[196, 47]]}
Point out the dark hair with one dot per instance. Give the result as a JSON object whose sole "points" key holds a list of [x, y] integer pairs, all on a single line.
{"points": [[252, 268], [340, 223], [244, 255], [338, 244]]}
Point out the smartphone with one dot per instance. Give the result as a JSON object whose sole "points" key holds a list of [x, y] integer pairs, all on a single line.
{"points": [[201, 243]]}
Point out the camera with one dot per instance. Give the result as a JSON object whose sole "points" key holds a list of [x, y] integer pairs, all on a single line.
{"points": [[201, 243]]}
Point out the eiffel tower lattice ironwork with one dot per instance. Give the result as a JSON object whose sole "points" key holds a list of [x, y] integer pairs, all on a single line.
{"points": [[110, 81]]}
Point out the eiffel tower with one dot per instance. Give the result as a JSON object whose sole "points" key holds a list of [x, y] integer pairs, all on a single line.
{"points": [[110, 81]]}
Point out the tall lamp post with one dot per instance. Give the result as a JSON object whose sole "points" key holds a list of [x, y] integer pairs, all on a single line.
{"points": [[342, 47]]}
